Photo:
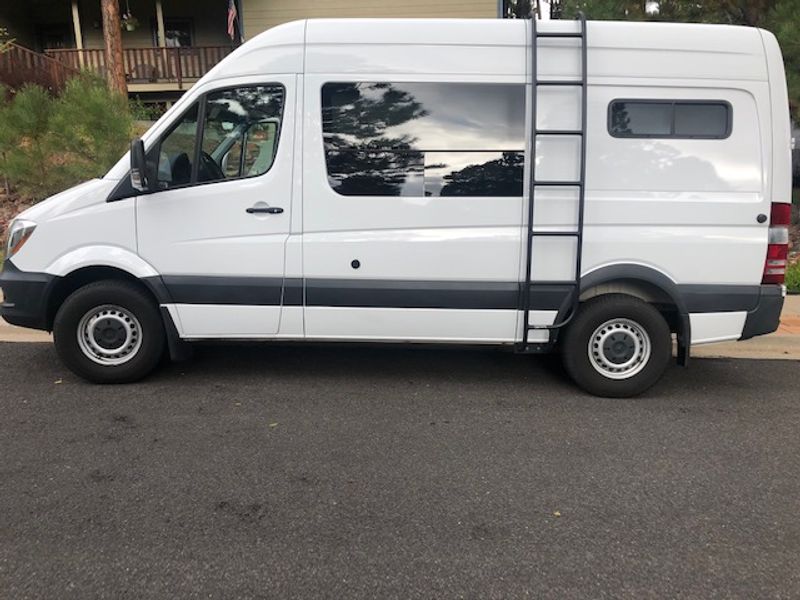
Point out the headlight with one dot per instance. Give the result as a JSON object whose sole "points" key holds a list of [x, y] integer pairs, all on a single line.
{"points": [[18, 234]]}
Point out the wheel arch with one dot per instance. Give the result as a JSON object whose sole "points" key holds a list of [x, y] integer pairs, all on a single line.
{"points": [[647, 284], [63, 286]]}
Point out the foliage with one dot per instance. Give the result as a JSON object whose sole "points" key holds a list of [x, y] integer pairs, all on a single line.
{"points": [[5, 42], [24, 128], [50, 143], [782, 17], [517, 9], [142, 111], [734, 12], [784, 21], [128, 22], [793, 277]]}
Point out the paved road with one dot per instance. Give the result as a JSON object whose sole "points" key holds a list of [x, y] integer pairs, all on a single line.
{"points": [[337, 472]]}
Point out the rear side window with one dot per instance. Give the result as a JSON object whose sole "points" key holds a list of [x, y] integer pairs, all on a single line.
{"points": [[424, 139], [686, 119]]}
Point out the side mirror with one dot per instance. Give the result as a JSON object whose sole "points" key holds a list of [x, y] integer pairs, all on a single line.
{"points": [[139, 180]]}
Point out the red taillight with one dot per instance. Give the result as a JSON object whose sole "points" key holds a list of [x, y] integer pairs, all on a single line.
{"points": [[778, 246], [781, 214], [775, 265]]}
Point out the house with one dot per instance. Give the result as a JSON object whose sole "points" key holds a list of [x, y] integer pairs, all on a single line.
{"points": [[170, 44]]}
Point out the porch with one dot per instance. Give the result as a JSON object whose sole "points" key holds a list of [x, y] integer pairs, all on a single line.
{"points": [[167, 44], [150, 69]]}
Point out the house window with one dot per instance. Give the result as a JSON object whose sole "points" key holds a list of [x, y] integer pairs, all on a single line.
{"points": [[424, 139], [684, 119], [178, 33]]}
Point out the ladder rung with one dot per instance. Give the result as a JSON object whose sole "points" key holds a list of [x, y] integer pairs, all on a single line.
{"points": [[564, 82], [555, 233], [558, 183], [558, 132], [556, 34]]}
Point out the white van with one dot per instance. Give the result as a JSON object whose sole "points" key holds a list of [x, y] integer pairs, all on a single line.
{"points": [[371, 180]]}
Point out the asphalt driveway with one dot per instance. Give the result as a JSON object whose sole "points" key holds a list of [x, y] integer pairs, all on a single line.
{"points": [[312, 471]]}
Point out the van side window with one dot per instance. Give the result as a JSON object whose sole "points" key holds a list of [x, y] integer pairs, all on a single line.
{"points": [[685, 119], [177, 150], [424, 139], [238, 137], [239, 132]]}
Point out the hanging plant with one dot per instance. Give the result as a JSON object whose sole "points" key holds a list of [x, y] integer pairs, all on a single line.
{"points": [[129, 22]]}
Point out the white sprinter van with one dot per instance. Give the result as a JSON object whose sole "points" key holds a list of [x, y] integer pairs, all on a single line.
{"points": [[591, 187]]}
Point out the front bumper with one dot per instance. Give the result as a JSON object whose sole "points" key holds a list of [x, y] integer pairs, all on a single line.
{"points": [[766, 316], [25, 296]]}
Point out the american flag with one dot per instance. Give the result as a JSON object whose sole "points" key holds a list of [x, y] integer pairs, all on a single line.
{"points": [[231, 18]]}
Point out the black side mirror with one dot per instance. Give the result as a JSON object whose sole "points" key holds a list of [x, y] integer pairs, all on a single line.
{"points": [[139, 179]]}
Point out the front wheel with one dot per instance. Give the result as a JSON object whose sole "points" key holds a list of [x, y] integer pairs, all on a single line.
{"points": [[109, 332], [617, 346]]}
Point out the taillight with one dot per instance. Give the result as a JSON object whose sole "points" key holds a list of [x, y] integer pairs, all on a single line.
{"points": [[778, 248]]}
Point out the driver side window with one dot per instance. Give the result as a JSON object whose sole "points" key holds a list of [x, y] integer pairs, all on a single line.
{"points": [[238, 137]]}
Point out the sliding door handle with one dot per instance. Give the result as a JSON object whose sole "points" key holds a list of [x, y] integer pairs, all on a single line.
{"points": [[271, 210]]}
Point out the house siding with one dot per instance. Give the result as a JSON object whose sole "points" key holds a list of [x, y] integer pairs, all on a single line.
{"points": [[260, 15]]}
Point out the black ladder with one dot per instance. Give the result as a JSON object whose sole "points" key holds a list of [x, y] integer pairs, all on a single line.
{"points": [[570, 305]]}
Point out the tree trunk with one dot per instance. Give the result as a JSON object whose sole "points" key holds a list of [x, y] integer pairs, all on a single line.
{"points": [[756, 10], [112, 34]]}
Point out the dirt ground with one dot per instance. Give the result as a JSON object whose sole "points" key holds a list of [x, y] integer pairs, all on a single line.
{"points": [[10, 206]]}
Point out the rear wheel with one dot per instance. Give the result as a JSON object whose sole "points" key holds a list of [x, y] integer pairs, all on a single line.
{"points": [[617, 346], [109, 332]]}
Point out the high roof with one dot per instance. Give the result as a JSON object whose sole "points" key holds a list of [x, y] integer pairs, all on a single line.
{"points": [[490, 47]]}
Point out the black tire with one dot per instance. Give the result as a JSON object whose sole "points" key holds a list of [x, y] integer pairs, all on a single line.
{"points": [[620, 311], [130, 300]]}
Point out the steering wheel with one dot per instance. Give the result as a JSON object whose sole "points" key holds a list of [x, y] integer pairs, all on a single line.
{"points": [[208, 169]]}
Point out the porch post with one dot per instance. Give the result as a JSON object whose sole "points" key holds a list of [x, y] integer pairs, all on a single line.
{"points": [[161, 34], [76, 27], [240, 20]]}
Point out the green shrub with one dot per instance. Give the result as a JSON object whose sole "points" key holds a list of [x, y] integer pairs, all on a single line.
{"points": [[24, 128], [793, 277], [90, 127], [50, 144], [142, 111]]}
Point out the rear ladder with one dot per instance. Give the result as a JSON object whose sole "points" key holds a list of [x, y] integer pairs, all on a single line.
{"points": [[570, 306]]}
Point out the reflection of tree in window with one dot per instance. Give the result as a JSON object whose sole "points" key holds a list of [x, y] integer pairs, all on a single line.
{"points": [[620, 121], [355, 117], [500, 177], [242, 120], [397, 139]]}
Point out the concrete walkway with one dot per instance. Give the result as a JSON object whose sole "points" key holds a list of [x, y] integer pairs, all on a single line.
{"points": [[783, 344]]}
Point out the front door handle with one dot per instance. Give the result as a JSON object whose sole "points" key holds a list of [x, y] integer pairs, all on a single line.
{"points": [[272, 210]]}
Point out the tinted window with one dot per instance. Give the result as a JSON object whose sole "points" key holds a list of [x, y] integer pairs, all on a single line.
{"points": [[669, 119], [239, 132], [701, 120], [424, 139], [238, 138]]}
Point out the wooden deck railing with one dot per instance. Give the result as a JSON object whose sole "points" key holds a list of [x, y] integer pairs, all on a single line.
{"points": [[19, 65], [150, 65]]}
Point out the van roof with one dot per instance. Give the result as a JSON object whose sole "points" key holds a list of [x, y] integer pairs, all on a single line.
{"points": [[489, 47]]}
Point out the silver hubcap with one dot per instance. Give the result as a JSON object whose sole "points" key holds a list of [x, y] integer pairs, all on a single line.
{"points": [[109, 335], [619, 349]]}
